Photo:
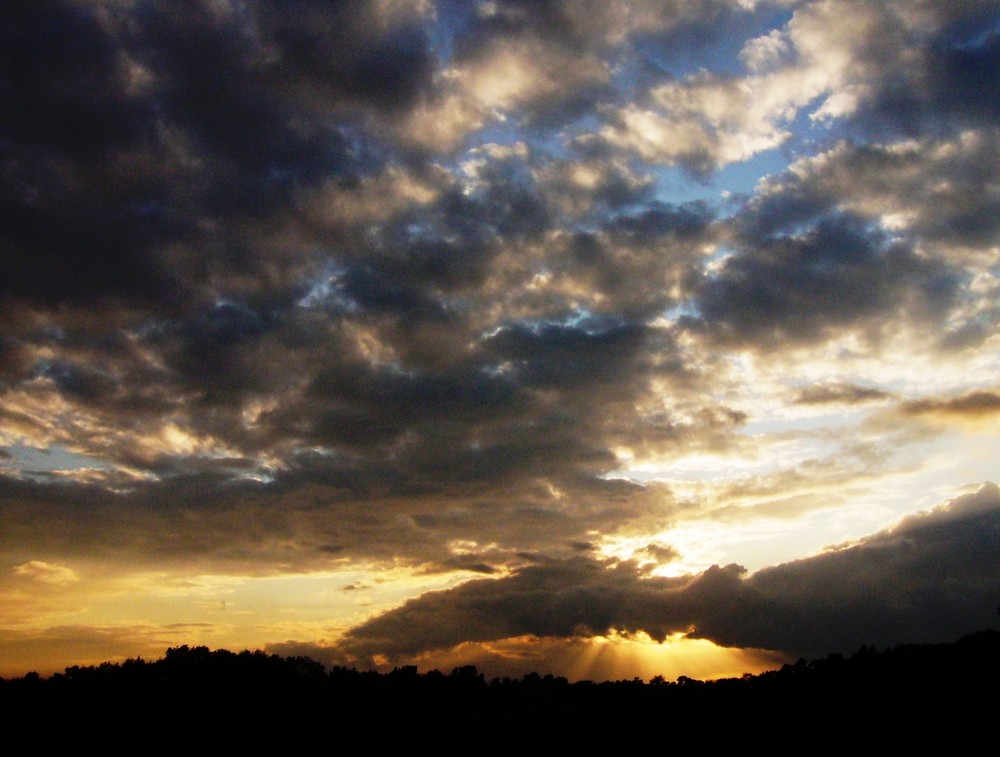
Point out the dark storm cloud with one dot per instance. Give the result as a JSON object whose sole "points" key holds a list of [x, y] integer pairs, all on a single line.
{"points": [[210, 341], [64, 85], [840, 274], [345, 49], [521, 406], [950, 82], [84, 226], [943, 188], [15, 360], [230, 112], [344, 398], [930, 578], [378, 428], [409, 267], [319, 512], [130, 135], [201, 519], [860, 235], [571, 357], [639, 263], [403, 279], [509, 200], [80, 382]]}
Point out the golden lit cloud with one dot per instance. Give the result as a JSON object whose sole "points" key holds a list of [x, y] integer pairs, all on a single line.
{"points": [[47, 573]]}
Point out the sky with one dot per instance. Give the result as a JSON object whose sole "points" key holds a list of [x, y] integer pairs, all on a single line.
{"points": [[606, 339]]}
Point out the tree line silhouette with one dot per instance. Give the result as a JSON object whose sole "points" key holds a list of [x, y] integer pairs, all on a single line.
{"points": [[195, 700]]}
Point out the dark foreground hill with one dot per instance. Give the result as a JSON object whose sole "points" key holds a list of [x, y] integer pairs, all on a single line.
{"points": [[197, 701]]}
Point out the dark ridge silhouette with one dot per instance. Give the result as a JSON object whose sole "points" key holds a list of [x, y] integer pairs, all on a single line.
{"points": [[198, 701]]}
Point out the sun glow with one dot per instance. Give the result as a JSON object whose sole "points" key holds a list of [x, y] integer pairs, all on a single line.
{"points": [[613, 657], [638, 655]]}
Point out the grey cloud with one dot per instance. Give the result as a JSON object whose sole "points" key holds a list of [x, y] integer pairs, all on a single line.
{"points": [[141, 140], [972, 405], [64, 84], [347, 50], [973, 332], [15, 359], [585, 187], [211, 521], [660, 553], [516, 410], [508, 199], [912, 220], [660, 222], [205, 521], [568, 356], [930, 578], [950, 83], [579, 22], [225, 90], [941, 190], [469, 563], [853, 77], [840, 393], [473, 418], [841, 274], [637, 264], [551, 599], [415, 284], [83, 382]]}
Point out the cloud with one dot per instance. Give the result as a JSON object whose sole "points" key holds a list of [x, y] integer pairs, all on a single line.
{"points": [[934, 188], [707, 122], [39, 570], [660, 553], [299, 285], [839, 393], [317, 289], [841, 274], [945, 84], [910, 203], [579, 188], [167, 124], [929, 578], [973, 405], [834, 60]]}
